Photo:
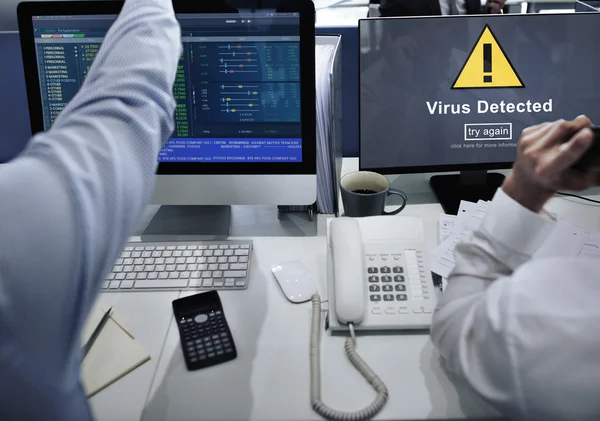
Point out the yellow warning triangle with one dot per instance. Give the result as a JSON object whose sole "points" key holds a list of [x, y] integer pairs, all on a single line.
{"points": [[487, 66]]}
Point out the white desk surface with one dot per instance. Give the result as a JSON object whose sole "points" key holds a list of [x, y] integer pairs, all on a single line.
{"points": [[270, 378]]}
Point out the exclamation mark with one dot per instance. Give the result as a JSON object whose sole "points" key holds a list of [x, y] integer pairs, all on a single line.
{"points": [[487, 63]]}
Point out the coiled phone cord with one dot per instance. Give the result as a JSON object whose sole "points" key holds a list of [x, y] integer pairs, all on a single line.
{"points": [[315, 374]]}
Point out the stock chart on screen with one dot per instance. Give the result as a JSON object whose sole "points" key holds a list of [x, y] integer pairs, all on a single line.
{"points": [[237, 86]]}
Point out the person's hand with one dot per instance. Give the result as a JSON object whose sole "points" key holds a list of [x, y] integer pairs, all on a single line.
{"points": [[495, 6], [545, 154]]}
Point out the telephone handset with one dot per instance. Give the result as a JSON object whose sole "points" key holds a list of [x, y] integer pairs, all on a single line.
{"points": [[346, 248]]}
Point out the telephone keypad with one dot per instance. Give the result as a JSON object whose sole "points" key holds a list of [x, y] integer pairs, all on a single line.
{"points": [[406, 271]]}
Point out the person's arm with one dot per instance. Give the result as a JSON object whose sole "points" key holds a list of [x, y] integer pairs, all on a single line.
{"points": [[71, 200], [471, 322], [500, 314]]}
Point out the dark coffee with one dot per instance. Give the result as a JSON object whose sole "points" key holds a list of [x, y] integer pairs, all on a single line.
{"points": [[364, 191]]}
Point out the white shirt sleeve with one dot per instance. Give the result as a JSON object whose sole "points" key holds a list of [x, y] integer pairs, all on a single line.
{"points": [[71, 200], [518, 329]]}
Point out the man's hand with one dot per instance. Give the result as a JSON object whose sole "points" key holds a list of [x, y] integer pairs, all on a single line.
{"points": [[545, 154], [494, 6]]}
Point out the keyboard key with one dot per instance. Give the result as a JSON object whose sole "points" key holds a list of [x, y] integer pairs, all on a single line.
{"points": [[239, 266], [127, 284], [242, 252], [235, 274], [115, 284], [167, 283]]}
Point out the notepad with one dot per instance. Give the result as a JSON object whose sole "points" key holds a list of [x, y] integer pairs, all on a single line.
{"points": [[114, 354]]}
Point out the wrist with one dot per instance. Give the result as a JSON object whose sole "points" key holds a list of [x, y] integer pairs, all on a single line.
{"points": [[528, 195]]}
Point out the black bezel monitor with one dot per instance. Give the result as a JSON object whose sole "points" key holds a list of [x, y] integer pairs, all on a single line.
{"points": [[302, 8]]}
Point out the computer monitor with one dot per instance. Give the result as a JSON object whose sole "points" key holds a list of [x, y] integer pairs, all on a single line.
{"points": [[453, 93], [245, 90], [587, 6]]}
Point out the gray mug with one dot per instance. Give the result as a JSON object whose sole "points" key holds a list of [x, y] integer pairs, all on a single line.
{"points": [[365, 193]]}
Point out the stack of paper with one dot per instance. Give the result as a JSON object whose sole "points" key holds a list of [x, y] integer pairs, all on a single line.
{"points": [[565, 240], [114, 354], [454, 229], [329, 114]]}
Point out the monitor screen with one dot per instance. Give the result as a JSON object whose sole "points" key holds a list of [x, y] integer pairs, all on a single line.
{"points": [[237, 88], [454, 93]]}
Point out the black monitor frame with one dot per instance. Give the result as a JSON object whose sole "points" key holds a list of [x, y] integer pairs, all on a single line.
{"points": [[474, 182], [27, 10]]}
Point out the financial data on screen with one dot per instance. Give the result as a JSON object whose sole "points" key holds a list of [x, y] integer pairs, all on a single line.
{"points": [[237, 88]]}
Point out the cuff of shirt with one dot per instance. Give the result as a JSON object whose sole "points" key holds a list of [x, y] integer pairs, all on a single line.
{"points": [[515, 226]]}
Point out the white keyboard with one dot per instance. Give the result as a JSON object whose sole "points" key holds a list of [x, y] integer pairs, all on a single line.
{"points": [[186, 265]]}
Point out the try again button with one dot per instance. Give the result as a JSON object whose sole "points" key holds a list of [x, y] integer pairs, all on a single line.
{"points": [[488, 131]]}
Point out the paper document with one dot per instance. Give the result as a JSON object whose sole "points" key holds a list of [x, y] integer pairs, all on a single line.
{"points": [[114, 354], [442, 257], [565, 240], [446, 226], [591, 247]]}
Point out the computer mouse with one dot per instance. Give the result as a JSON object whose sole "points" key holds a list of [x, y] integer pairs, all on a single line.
{"points": [[295, 281]]}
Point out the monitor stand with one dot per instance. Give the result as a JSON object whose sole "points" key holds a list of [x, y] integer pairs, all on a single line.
{"points": [[189, 223], [468, 185]]}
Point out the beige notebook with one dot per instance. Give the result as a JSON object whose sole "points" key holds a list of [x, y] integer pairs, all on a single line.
{"points": [[114, 354]]}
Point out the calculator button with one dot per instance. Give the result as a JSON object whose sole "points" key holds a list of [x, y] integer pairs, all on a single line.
{"points": [[219, 352], [201, 318], [387, 288], [388, 297], [224, 335], [400, 287], [401, 297], [385, 269], [372, 270], [398, 269], [373, 288], [228, 350], [376, 297], [373, 278], [210, 349], [399, 278], [211, 355], [386, 278]]}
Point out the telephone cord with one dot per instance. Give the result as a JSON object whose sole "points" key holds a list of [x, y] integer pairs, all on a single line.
{"points": [[315, 375]]}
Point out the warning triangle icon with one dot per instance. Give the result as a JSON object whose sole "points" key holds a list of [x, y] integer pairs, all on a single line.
{"points": [[487, 66]]}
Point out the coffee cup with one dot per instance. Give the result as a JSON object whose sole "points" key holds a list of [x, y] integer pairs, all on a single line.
{"points": [[365, 193]]}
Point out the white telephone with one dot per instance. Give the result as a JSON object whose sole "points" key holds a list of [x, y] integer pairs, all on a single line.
{"points": [[379, 279], [379, 276]]}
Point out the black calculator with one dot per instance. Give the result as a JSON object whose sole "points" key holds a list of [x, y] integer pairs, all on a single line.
{"points": [[205, 336]]}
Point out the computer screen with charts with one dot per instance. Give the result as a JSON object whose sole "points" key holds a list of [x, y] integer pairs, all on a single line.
{"points": [[455, 93], [244, 92], [237, 101]]}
